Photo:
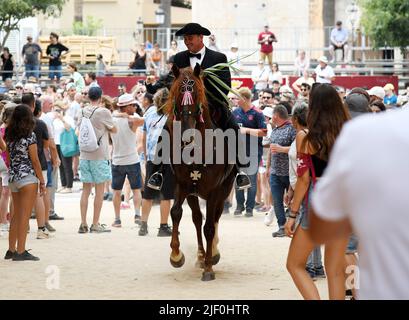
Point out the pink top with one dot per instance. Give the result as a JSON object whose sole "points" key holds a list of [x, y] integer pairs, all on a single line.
{"points": [[4, 153]]}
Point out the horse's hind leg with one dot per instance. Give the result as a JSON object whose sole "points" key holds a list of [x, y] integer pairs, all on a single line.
{"points": [[197, 220], [177, 258]]}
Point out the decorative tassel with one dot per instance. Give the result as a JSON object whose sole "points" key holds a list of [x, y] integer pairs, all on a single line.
{"points": [[187, 99], [201, 120]]}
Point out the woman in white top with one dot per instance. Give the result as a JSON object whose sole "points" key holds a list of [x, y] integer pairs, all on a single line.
{"points": [[173, 49], [301, 63], [274, 75], [63, 122], [306, 78]]}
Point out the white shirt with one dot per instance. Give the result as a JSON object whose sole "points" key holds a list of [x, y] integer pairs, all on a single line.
{"points": [[262, 76], [370, 188], [59, 127], [194, 60], [73, 109], [322, 73], [275, 76], [339, 35]]}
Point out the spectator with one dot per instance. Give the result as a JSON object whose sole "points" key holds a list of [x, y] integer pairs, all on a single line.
{"points": [[152, 129], [301, 63], [19, 89], [390, 99], [76, 77], [55, 53], [313, 150], [173, 50], [7, 64], [340, 203], [403, 99], [276, 89], [94, 165], [377, 106], [125, 159], [72, 105], [63, 121], [259, 75], [91, 80], [31, 56], [251, 123], [266, 39], [24, 180], [139, 63], [304, 95], [282, 135], [275, 74], [165, 80], [324, 73], [338, 41], [267, 98], [157, 58], [100, 66], [305, 78], [341, 92], [122, 89], [233, 55], [212, 43]]}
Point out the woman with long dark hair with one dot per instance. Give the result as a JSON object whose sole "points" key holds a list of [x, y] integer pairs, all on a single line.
{"points": [[7, 65], [25, 177], [326, 116]]}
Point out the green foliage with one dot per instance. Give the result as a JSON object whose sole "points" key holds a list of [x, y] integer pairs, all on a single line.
{"points": [[89, 28], [12, 11], [386, 22]]}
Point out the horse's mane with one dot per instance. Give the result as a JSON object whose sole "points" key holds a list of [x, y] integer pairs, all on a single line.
{"points": [[175, 94]]}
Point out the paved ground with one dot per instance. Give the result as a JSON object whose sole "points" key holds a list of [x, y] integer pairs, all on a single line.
{"points": [[123, 265]]}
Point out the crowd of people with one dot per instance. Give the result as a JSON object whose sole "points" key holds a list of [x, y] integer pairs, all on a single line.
{"points": [[73, 131]]}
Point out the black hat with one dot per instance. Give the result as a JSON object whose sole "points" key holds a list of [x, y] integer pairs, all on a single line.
{"points": [[193, 28], [357, 104]]}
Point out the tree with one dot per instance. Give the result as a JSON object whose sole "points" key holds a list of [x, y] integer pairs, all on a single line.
{"points": [[386, 22], [89, 28], [13, 11]]}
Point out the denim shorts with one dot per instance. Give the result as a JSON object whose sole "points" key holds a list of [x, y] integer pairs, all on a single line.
{"points": [[49, 174], [95, 171], [352, 246], [55, 71], [132, 171], [15, 186], [304, 222]]}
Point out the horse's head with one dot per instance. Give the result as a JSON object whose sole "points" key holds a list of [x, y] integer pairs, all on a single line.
{"points": [[187, 98]]}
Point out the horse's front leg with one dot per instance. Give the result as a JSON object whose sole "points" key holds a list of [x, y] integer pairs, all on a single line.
{"points": [[197, 220], [177, 258]]}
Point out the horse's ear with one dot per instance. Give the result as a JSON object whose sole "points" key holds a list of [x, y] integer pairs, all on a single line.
{"points": [[175, 71], [197, 70]]}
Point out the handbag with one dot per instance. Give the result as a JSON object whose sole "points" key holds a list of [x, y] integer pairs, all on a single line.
{"points": [[69, 143]]}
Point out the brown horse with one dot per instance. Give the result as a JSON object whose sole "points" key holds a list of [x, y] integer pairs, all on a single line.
{"points": [[213, 182]]}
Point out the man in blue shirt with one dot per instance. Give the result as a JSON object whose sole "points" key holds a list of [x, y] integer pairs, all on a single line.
{"points": [[252, 124], [338, 40]]}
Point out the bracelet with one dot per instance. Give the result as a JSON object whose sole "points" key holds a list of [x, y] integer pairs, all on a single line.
{"points": [[292, 216]]}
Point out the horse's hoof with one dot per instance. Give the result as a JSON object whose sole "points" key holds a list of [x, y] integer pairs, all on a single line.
{"points": [[216, 259], [208, 276], [200, 264], [178, 264]]}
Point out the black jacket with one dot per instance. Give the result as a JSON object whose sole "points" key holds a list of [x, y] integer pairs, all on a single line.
{"points": [[165, 81], [210, 59]]}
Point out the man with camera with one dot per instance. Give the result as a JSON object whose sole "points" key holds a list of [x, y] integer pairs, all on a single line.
{"points": [[266, 39]]}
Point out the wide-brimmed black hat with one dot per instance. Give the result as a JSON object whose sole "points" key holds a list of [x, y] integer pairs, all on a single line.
{"points": [[193, 28]]}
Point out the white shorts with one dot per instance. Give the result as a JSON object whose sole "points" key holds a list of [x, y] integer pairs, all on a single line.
{"points": [[5, 179]]}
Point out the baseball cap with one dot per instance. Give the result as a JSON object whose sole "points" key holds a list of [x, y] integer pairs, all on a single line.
{"points": [[268, 112], [377, 91], [94, 93], [357, 104]]}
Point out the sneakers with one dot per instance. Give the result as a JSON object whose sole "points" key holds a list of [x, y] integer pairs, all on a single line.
{"points": [[55, 216], [83, 228], [320, 273], [165, 231], [249, 213], [242, 181], [98, 228], [9, 255], [155, 181], [110, 196], [106, 194], [263, 209], [43, 234], [49, 227], [125, 206], [143, 231], [238, 211], [66, 190], [269, 218], [76, 178], [25, 256], [311, 272], [137, 219], [117, 223], [279, 234]]}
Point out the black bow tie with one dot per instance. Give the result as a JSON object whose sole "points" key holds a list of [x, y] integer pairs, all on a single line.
{"points": [[197, 55]]}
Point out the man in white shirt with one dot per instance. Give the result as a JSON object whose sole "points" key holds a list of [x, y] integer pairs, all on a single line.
{"points": [[260, 75], [338, 39], [367, 193], [324, 73]]}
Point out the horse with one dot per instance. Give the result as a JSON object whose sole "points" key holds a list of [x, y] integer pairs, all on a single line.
{"points": [[213, 182]]}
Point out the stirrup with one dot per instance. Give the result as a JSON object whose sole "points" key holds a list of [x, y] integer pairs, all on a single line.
{"points": [[155, 187], [244, 187]]}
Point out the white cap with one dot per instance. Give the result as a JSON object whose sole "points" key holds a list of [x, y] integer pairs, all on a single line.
{"points": [[323, 59], [234, 45], [285, 88], [125, 100], [268, 112], [377, 91]]}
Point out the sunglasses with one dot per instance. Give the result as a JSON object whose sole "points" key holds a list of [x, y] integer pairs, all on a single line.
{"points": [[267, 98], [139, 92], [303, 89]]}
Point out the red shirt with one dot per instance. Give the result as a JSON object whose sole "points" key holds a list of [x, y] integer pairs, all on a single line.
{"points": [[267, 45]]}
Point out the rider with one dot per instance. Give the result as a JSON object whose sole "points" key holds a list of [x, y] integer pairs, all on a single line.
{"points": [[198, 53]]}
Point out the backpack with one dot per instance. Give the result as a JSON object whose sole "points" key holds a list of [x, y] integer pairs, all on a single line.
{"points": [[87, 138]]}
